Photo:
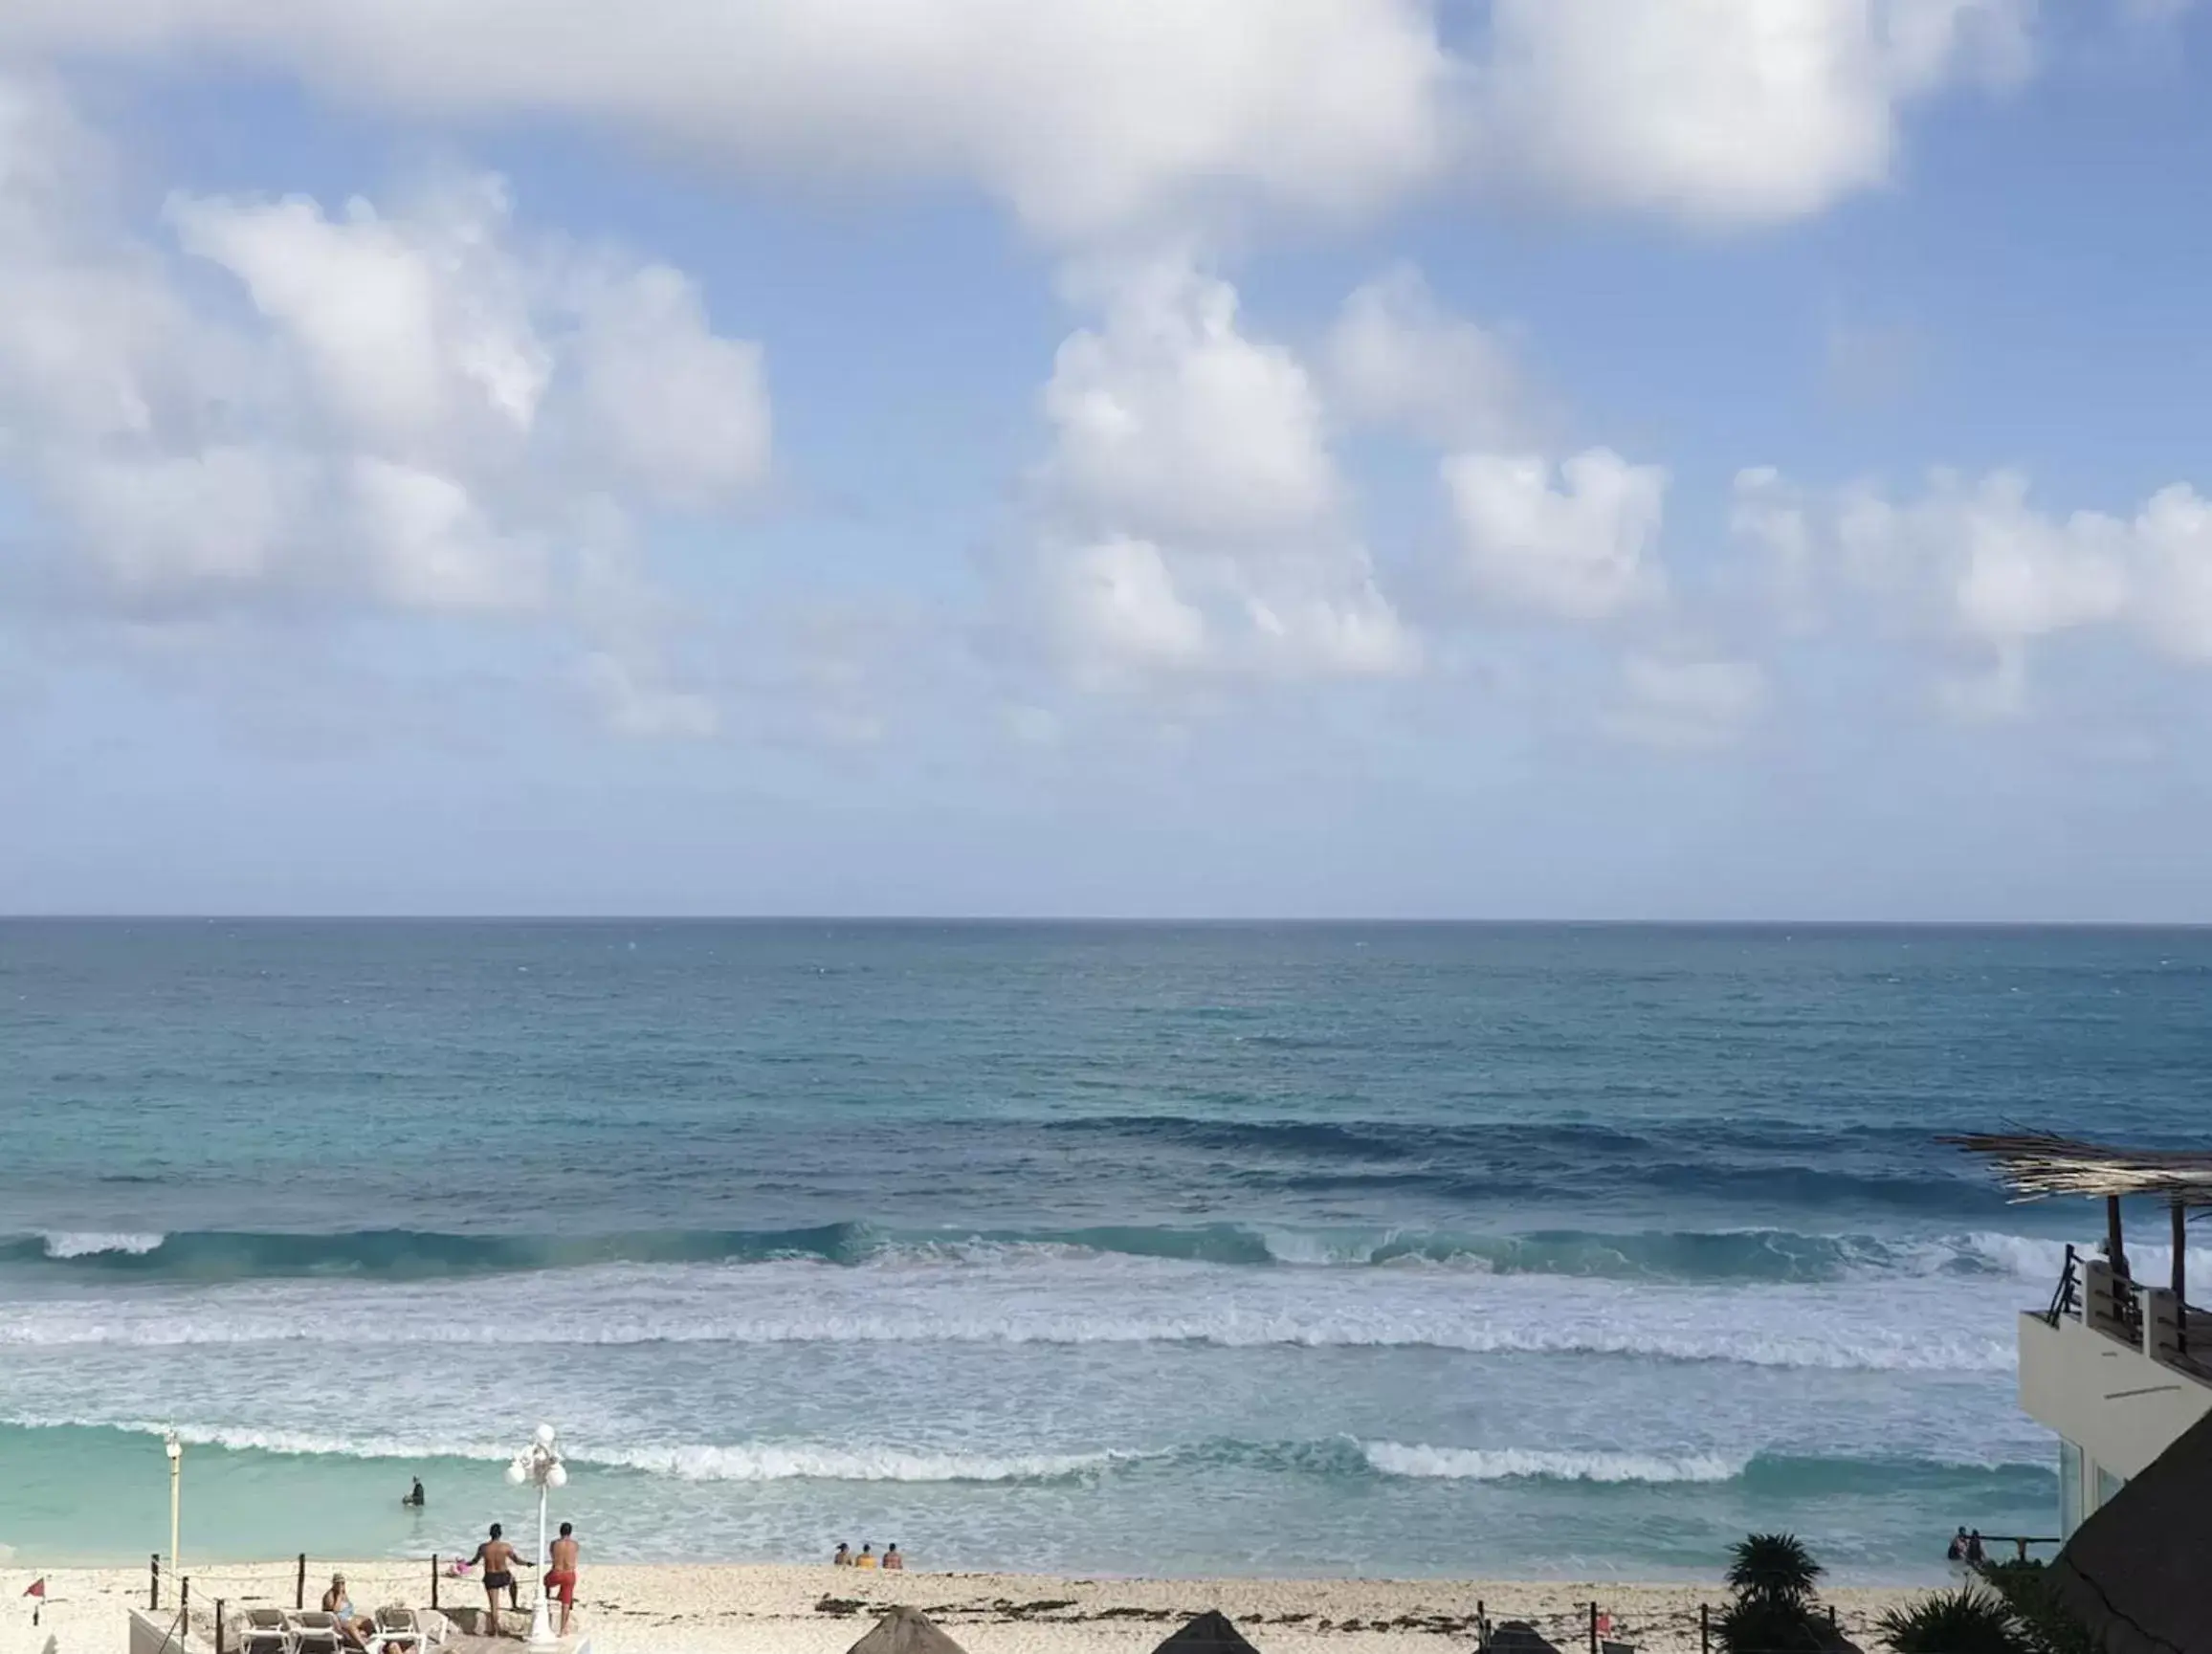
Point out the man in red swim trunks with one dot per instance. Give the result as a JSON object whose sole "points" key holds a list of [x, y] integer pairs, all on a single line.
{"points": [[560, 1576]]}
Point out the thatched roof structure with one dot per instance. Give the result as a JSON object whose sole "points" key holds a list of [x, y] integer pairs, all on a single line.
{"points": [[2036, 1165], [1210, 1633], [906, 1630], [1518, 1637]]}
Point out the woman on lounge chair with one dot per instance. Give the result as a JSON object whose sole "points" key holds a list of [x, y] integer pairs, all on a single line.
{"points": [[356, 1628]]}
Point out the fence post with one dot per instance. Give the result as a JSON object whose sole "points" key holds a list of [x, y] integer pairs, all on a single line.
{"points": [[1704, 1628], [1593, 1628], [154, 1591], [218, 1625], [185, 1601], [299, 1586], [1481, 1625], [433, 1580]]}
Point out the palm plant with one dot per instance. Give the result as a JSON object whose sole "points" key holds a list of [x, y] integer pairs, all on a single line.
{"points": [[1773, 1576], [1968, 1620], [1772, 1570]]}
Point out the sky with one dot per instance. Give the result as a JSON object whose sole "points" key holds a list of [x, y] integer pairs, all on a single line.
{"points": [[1633, 459]]}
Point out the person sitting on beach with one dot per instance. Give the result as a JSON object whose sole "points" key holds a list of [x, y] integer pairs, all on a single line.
{"points": [[866, 1558], [1957, 1551], [891, 1558], [498, 1559], [414, 1498], [843, 1558], [560, 1578], [355, 1628]]}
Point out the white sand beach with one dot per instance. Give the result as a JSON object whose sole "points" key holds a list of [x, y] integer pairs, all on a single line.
{"points": [[709, 1608]]}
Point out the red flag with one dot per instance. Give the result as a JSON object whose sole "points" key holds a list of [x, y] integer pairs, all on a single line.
{"points": [[37, 1588]]}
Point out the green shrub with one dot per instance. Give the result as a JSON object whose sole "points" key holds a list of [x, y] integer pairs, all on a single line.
{"points": [[1967, 1621]]}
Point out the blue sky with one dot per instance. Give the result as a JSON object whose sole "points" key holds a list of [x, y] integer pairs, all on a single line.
{"points": [[1274, 457]]}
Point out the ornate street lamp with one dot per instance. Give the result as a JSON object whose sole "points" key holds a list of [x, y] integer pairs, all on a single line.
{"points": [[540, 1465]]}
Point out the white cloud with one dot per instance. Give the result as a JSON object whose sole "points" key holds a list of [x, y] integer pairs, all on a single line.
{"points": [[1725, 112], [684, 412], [1192, 509], [1584, 550], [1669, 701], [1174, 422], [1085, 114], [403, 327], [1973, 565], [1096, 119], [1397, 357], [421, 410], [1121, 609], [429, 546]]}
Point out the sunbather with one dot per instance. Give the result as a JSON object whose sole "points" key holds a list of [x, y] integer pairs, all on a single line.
{"points": [[356, 1628]]}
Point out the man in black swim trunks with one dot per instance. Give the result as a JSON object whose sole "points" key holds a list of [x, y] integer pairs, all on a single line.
{"points": [[498, 1560]]}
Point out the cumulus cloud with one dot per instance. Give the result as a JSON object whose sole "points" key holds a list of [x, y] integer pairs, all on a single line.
{"points": [[1583, 548], [1722, 112], [1085, 114], [1095, 119], [1973, 565], [1397, 357], [1173, 420], [1192, 510], [404, 411]]}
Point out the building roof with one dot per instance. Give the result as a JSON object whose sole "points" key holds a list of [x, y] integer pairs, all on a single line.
{"points": [[1210, 1633], [2036, 1165], [2133, 1574], [906, 1630]]}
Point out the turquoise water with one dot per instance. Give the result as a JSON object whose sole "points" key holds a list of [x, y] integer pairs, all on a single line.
{"points": [[1521, 1251]]}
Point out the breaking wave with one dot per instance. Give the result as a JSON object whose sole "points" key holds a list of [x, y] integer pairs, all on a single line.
{"points": [[1721, 1255]]}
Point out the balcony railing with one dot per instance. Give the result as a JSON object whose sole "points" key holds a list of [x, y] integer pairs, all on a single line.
{"points": [[2152, 1319]]}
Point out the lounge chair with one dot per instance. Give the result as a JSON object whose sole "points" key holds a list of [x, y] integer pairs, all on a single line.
{"points": [[396, 1630], [263, 1631], [315, 1632]]}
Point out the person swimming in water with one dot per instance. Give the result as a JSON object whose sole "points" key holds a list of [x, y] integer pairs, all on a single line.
{"points": [[414, 1497]]}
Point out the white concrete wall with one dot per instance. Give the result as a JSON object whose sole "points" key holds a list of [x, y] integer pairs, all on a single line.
{"points": [[2118, 1406], [159, 1634]]}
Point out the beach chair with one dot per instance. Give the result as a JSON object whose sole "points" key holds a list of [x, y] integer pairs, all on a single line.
{"points": [[263, 1631], [315, 1632], [396, 1630]]}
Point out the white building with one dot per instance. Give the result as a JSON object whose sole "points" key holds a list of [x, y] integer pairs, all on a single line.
{"points": [[2116, 1367]]}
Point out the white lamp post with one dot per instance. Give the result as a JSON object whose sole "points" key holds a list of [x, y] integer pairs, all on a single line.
{"points": [[539, 1464], [175, 1449]]}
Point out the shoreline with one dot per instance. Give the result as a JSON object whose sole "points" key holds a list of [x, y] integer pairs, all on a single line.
{"points": [[730, 1608]]}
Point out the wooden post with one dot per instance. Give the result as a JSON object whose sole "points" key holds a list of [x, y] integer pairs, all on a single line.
{"points": [[2115, 1254], [1593, 1628], [300, 1584], [185, 1601], [218, 1625], [2181, 1275], [154, 1595], [434, 1578], [1704, 1628]]}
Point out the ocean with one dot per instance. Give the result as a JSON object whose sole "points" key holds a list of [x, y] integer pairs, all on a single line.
{"points": [[1511, 1251]]}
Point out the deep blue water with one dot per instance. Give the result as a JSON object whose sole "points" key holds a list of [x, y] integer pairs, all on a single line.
{"points": [[1251, 1248]]}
